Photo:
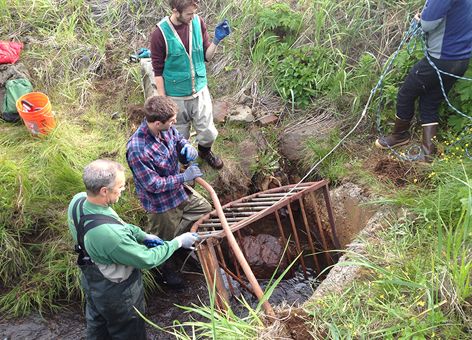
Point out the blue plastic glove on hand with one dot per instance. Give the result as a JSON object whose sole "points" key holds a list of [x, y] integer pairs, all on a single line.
{"points": [[151, 241], [222, 30], [144, 53], [187, 240], [192, 172], [189, 152]]}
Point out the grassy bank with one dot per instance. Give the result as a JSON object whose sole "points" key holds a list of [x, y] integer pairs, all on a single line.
{"points": [[290, 59]]}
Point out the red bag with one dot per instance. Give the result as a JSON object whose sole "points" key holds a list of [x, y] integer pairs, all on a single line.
{"points": [[10, 52]]}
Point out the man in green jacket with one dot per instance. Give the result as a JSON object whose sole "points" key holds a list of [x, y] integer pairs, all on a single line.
{"points": [[111, 254], [180, 45]]}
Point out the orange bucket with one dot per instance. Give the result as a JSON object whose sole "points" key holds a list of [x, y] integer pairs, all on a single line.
{"points": [[35, 110]]}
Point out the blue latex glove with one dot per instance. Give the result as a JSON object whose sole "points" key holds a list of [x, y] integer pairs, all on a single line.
{"points": [[144, 53], [189, 152], [187, 240], [222, 30], [151, 241], [192, 172]]}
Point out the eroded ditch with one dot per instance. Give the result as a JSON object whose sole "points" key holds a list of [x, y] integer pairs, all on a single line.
{"points": [[351, 212]]}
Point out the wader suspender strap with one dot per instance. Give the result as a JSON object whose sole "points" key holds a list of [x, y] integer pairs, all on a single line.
{"points": [[94, 220]]}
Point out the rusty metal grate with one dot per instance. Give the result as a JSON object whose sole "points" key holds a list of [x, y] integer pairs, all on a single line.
{"points": [[300, 216]]}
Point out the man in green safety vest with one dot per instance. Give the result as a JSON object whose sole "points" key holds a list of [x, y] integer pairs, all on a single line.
{"points": [[179, 48]]}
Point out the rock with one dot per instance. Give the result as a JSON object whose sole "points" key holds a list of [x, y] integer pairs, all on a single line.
{"points": [[263, 253], [293, 140], [241, 113], [268, 120], [221, 109]]}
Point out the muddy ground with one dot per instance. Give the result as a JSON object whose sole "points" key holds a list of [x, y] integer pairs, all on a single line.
{"points": [[69, 324]]}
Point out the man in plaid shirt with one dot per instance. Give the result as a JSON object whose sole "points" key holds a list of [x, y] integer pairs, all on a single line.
{"points": [[153, 154]]}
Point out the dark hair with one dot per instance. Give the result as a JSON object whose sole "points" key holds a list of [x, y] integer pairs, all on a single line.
{"points": [[160, 108], [99, 174], [180, 5]]}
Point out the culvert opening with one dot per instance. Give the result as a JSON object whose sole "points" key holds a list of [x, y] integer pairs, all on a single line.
{"points": [[274, 228]]}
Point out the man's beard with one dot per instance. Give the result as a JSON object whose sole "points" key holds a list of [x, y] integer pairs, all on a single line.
{"points": [[179, 19]]}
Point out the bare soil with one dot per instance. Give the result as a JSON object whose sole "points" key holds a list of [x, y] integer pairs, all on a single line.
{"points": [[295, 324]]}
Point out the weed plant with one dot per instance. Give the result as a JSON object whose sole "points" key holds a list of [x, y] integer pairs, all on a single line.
{"points": [[334, 168]]}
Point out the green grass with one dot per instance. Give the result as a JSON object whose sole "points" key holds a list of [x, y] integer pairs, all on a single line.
{"points": [[418, 274], [419, 283], [334, 167]]}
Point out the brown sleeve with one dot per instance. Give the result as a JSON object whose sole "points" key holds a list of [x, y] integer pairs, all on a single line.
{"points": [[205, 37], [158, 52]]}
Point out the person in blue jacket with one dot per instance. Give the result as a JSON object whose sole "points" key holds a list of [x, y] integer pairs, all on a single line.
{"points": [[447, 25]]}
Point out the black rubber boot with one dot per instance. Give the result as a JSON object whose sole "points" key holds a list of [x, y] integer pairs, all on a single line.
{"points": [[428, 148], [10, 117], [208, 156], [399, 136]]}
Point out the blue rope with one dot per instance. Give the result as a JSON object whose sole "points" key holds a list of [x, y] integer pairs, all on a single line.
{"points": [[446, 98], [438, 72]]}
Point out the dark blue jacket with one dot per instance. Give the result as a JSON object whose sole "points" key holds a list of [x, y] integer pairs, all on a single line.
{"points": [[448, 28]]}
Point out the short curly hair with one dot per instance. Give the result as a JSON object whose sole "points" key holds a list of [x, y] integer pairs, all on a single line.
{"points": [[160, 108], [180, 5]]}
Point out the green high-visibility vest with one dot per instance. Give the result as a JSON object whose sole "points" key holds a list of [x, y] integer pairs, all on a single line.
{"points": [[184, 73]]}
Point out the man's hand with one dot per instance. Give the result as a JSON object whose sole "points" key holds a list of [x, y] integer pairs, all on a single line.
{"points": [[222, 30], [192, 172], [189, 152], [151, 241], [144, 53], [187, 240], [418, 16]]}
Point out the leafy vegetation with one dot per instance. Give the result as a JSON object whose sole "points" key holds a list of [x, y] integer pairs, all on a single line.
{"points": [[306, 52]]}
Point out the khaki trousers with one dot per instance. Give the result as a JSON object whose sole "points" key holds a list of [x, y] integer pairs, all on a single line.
{"points": [[179, 220], [197, 112]]}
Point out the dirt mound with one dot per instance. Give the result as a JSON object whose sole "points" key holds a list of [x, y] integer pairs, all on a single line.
{"points": [[398, 172]]}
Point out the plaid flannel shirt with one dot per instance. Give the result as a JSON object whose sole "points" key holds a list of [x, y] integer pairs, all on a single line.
{"points": [[155, 166]]}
